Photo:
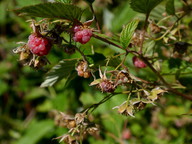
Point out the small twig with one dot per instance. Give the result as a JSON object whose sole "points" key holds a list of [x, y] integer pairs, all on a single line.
{"points": [[189, 97], [82, 54], [94, 106], [143, 34], [97, 23], [154, 70], [122, 62], [168, 30]]}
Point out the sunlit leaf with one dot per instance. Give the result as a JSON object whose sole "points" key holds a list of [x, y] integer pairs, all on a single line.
{"points": [[52, 10], [127, 33]]}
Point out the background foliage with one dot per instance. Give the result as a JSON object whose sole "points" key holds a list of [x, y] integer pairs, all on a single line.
{"points": [[26, 112]]}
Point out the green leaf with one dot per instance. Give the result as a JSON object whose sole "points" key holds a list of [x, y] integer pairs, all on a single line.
{"points": [[36, 131], [52, 10], [64, 1], [144, 6], [122, 15], [87, 99], [58, 72], [46, 106], [4, 87], [114, 61], [35, 93], [170, 8], [127, 33]]}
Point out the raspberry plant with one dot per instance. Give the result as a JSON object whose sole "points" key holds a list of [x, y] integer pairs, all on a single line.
{"points": [[141, 42]]}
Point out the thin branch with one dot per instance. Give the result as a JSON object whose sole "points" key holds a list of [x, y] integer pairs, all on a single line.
{"points": [[97, 23], [82, 54], [94, 106], [107, 41], [169, 88], [143, 34], [154, 70]]}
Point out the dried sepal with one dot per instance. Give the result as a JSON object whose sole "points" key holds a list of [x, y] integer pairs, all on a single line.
{"points": [[40, 62], [79, 126], [122, 77], [104, 84], [154, 94], [67, 139], [95, 82], [125, 109]]}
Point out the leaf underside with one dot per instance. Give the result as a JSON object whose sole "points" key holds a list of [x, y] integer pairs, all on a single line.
{"points": [[52, 10]]}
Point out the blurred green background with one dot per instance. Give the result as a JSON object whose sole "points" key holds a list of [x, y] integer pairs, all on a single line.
{"points": [[26, 109]]}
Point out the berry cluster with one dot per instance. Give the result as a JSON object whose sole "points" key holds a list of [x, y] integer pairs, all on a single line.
{"points": [[107, 86], [138, 63], [39, 45], [83, 70], [82, 35]]}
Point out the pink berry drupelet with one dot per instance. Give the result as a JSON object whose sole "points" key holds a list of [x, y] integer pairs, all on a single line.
{"points": [[39, 45], [138, 63], [82, 35]]}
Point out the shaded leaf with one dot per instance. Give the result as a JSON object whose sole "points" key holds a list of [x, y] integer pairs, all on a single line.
{"points": [[90, 1], [144, 6], [114, 61], [59, 71], [4, 87], [96, 59], [52, 10], [170, 8], [127, 33], [174, 63]]}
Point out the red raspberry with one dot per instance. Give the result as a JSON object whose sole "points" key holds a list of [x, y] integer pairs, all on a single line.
{"points": [[138, 63], [39, 45], [126, 134], [76, 29], [82, 36]]}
